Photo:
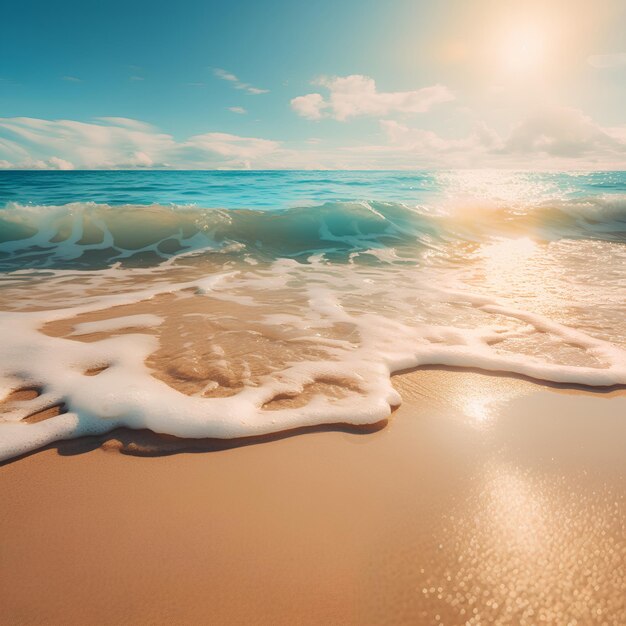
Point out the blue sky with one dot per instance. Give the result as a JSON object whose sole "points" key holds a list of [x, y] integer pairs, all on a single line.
{"points": [[278, 84]]}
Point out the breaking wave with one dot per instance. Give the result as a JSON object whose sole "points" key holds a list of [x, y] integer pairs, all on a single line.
{"points": [[96, 235]]}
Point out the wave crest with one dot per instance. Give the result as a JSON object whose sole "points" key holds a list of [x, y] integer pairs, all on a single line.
{"points": [[88, 233], [96, 235]]}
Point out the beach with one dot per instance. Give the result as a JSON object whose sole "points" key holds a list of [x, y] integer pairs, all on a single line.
{"points": [[312, 398], [313, 313], [485, 498]]}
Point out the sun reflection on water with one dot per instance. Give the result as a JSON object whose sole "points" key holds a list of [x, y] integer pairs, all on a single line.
{"points": [[512, 267]]}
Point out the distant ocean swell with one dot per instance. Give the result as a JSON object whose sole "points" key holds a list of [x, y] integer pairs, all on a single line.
{"points": [[234, 322]]}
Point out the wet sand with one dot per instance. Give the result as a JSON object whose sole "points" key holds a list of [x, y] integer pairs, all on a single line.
{"points": [[485, 499]]}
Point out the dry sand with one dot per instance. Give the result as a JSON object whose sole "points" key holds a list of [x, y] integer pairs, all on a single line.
{"points": [[485, 499]]}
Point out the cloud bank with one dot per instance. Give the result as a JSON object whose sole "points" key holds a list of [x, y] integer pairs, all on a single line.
{"points": [[547, 138], [121, 143], [564, 132]]}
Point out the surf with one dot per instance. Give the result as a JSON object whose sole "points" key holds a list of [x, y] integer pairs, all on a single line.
{"points": [[208, 321]]}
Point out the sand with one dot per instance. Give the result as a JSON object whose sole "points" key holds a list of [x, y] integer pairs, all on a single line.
{"points": [[485, 499]]}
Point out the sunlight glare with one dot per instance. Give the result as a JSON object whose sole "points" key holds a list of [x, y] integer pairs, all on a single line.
{"points": [[524, 49]]}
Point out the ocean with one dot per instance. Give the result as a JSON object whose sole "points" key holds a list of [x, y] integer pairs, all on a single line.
{"points": [[233, 304]]}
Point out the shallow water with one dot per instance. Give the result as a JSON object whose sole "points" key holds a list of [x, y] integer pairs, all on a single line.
{"points": [[227, 304]]}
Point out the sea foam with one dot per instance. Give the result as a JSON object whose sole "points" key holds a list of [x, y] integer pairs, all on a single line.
{"points": [[371, 343]]}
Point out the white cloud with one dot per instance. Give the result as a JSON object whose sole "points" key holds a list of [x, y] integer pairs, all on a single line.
{"points": [[356, 95], [224, 75], [71, 79], [617, 59], [548, 138], [228, 146], [30, 164], [127, 122], [410, 147], [239, 110], [481, 138], [310, 106], [60, 164], [118, 143], [237, 84], [563, 132]]}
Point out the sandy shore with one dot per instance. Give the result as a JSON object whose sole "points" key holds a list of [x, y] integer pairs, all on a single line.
{"points": [[485, 499]]}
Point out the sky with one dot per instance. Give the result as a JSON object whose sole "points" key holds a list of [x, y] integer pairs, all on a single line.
{"points": [[291, 84]]}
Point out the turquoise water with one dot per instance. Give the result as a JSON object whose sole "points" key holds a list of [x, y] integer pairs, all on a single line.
{"points": [[91, 219], [278, 189], [230, 304]]}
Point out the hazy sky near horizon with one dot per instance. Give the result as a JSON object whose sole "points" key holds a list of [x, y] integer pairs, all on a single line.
{"points": [[326, 84]]}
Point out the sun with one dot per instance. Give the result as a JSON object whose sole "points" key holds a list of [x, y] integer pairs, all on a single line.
{"points": [[523, 49]]}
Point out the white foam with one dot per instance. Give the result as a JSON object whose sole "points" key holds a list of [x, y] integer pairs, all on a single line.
{"points": [[395, 325]]}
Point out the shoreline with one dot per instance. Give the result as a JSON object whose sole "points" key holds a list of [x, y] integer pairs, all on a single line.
{"points": [[484, 498], [145, 442]]}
